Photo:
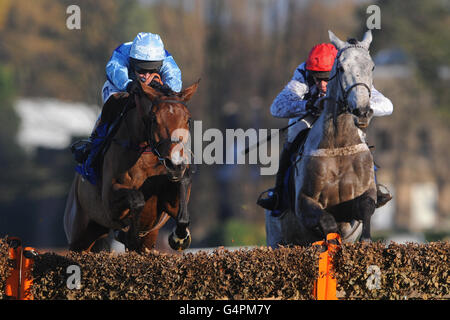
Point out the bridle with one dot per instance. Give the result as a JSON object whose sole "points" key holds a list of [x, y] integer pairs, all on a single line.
{"points": [[343, 101], [149, 121]]}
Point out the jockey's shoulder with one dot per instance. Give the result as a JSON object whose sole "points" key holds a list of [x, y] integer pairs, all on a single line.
{"points": [[124, 48], [300, 73], [301, 66]]}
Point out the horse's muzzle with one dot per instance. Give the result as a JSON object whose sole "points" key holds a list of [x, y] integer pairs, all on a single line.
{"points": [[174, 171], [362, 122], [363, 116]]}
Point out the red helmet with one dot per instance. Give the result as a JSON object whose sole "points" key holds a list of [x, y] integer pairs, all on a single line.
{"points": [[321, 57]]}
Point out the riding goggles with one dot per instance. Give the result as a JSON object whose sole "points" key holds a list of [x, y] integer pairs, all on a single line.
{"points": [[143, 67]]}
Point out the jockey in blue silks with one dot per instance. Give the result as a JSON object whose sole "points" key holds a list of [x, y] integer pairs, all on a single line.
{"points": [[130, 63], [146, 52], [297, 102]]}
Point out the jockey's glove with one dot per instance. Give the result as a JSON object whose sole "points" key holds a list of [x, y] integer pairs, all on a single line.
{"points": [[134, 87], [312, 107]]}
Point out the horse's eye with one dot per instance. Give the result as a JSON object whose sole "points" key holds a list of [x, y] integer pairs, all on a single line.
{"points": [[373, 68], [341, 68]]}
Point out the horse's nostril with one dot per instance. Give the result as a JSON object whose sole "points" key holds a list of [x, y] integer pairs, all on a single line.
{"points": [[173, 166], [169, 164], [357, 112]]}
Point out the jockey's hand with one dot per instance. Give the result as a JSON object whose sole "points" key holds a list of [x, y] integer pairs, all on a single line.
{"points": [[318, 104], [313, 106], [134, 87]]}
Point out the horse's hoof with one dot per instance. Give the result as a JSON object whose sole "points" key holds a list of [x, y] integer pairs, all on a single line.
{"points": [[365, 240], [328, 224], [179, 244]]}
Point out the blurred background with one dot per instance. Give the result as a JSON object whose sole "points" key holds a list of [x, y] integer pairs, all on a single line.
{"points": [[245, 52]]}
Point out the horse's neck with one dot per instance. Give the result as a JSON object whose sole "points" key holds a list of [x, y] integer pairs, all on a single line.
{"points": [[131, 130], [339, 132]]}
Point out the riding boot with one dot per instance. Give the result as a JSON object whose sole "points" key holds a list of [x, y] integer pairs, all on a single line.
{"points": [[82, 148], [382, 197], [274, 195]]}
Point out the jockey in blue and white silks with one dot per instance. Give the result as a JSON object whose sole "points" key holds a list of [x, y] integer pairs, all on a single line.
{"points": [[292, 101], [297, 100], [146, 47], [131, 63]]}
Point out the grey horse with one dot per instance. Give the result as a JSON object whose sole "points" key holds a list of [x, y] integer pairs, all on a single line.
{"points": [[333, 182]]}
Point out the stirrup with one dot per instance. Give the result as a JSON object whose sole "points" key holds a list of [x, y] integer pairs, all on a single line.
{"points": [[80, 150], [386, 196], [274, 194]]}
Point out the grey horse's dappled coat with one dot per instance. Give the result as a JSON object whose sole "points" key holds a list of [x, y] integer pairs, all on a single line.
{"points": [[334, 177]]}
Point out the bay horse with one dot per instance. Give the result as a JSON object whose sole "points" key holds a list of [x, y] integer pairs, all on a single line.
{"points": [[145, 177], [332, 182]]}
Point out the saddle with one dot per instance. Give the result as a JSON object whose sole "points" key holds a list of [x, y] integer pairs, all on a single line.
{"points": [[89, 153], [288, 160]]}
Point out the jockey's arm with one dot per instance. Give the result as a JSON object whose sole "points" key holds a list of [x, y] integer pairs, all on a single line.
{"points": [[117, 67], [171, 73], [380, 105], [290, 103]]}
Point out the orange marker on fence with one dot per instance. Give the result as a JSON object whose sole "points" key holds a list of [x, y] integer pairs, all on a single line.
{"points": [[28, 256], [14, 260], [325, 285], [20, 279]]}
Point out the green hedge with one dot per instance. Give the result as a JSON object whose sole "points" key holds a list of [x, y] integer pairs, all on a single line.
{"points": [[396, 271]]}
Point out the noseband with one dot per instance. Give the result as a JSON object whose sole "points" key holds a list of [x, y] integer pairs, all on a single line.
{"points": [[343, 102]]}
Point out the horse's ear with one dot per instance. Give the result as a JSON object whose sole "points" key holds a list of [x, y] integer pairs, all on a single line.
{"points": [[151, 92], [338, 43], [367, 39], [187, 93]]}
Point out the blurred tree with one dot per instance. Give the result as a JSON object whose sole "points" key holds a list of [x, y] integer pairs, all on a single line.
{"points": [[51, 60], [418, 131], [421, 29], [11, 154]]}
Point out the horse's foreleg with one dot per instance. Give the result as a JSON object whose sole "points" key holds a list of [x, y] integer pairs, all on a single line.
{"points": [[125, 201], [364, 207], [91, 233], [149, 241], [180, 239], [314, 217]]}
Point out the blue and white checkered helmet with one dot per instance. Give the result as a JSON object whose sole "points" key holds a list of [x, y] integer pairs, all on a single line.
{"points": [[147, 47]]}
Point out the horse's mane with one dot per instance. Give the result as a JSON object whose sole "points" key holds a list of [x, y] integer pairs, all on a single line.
{"points": [[163, 88]]}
